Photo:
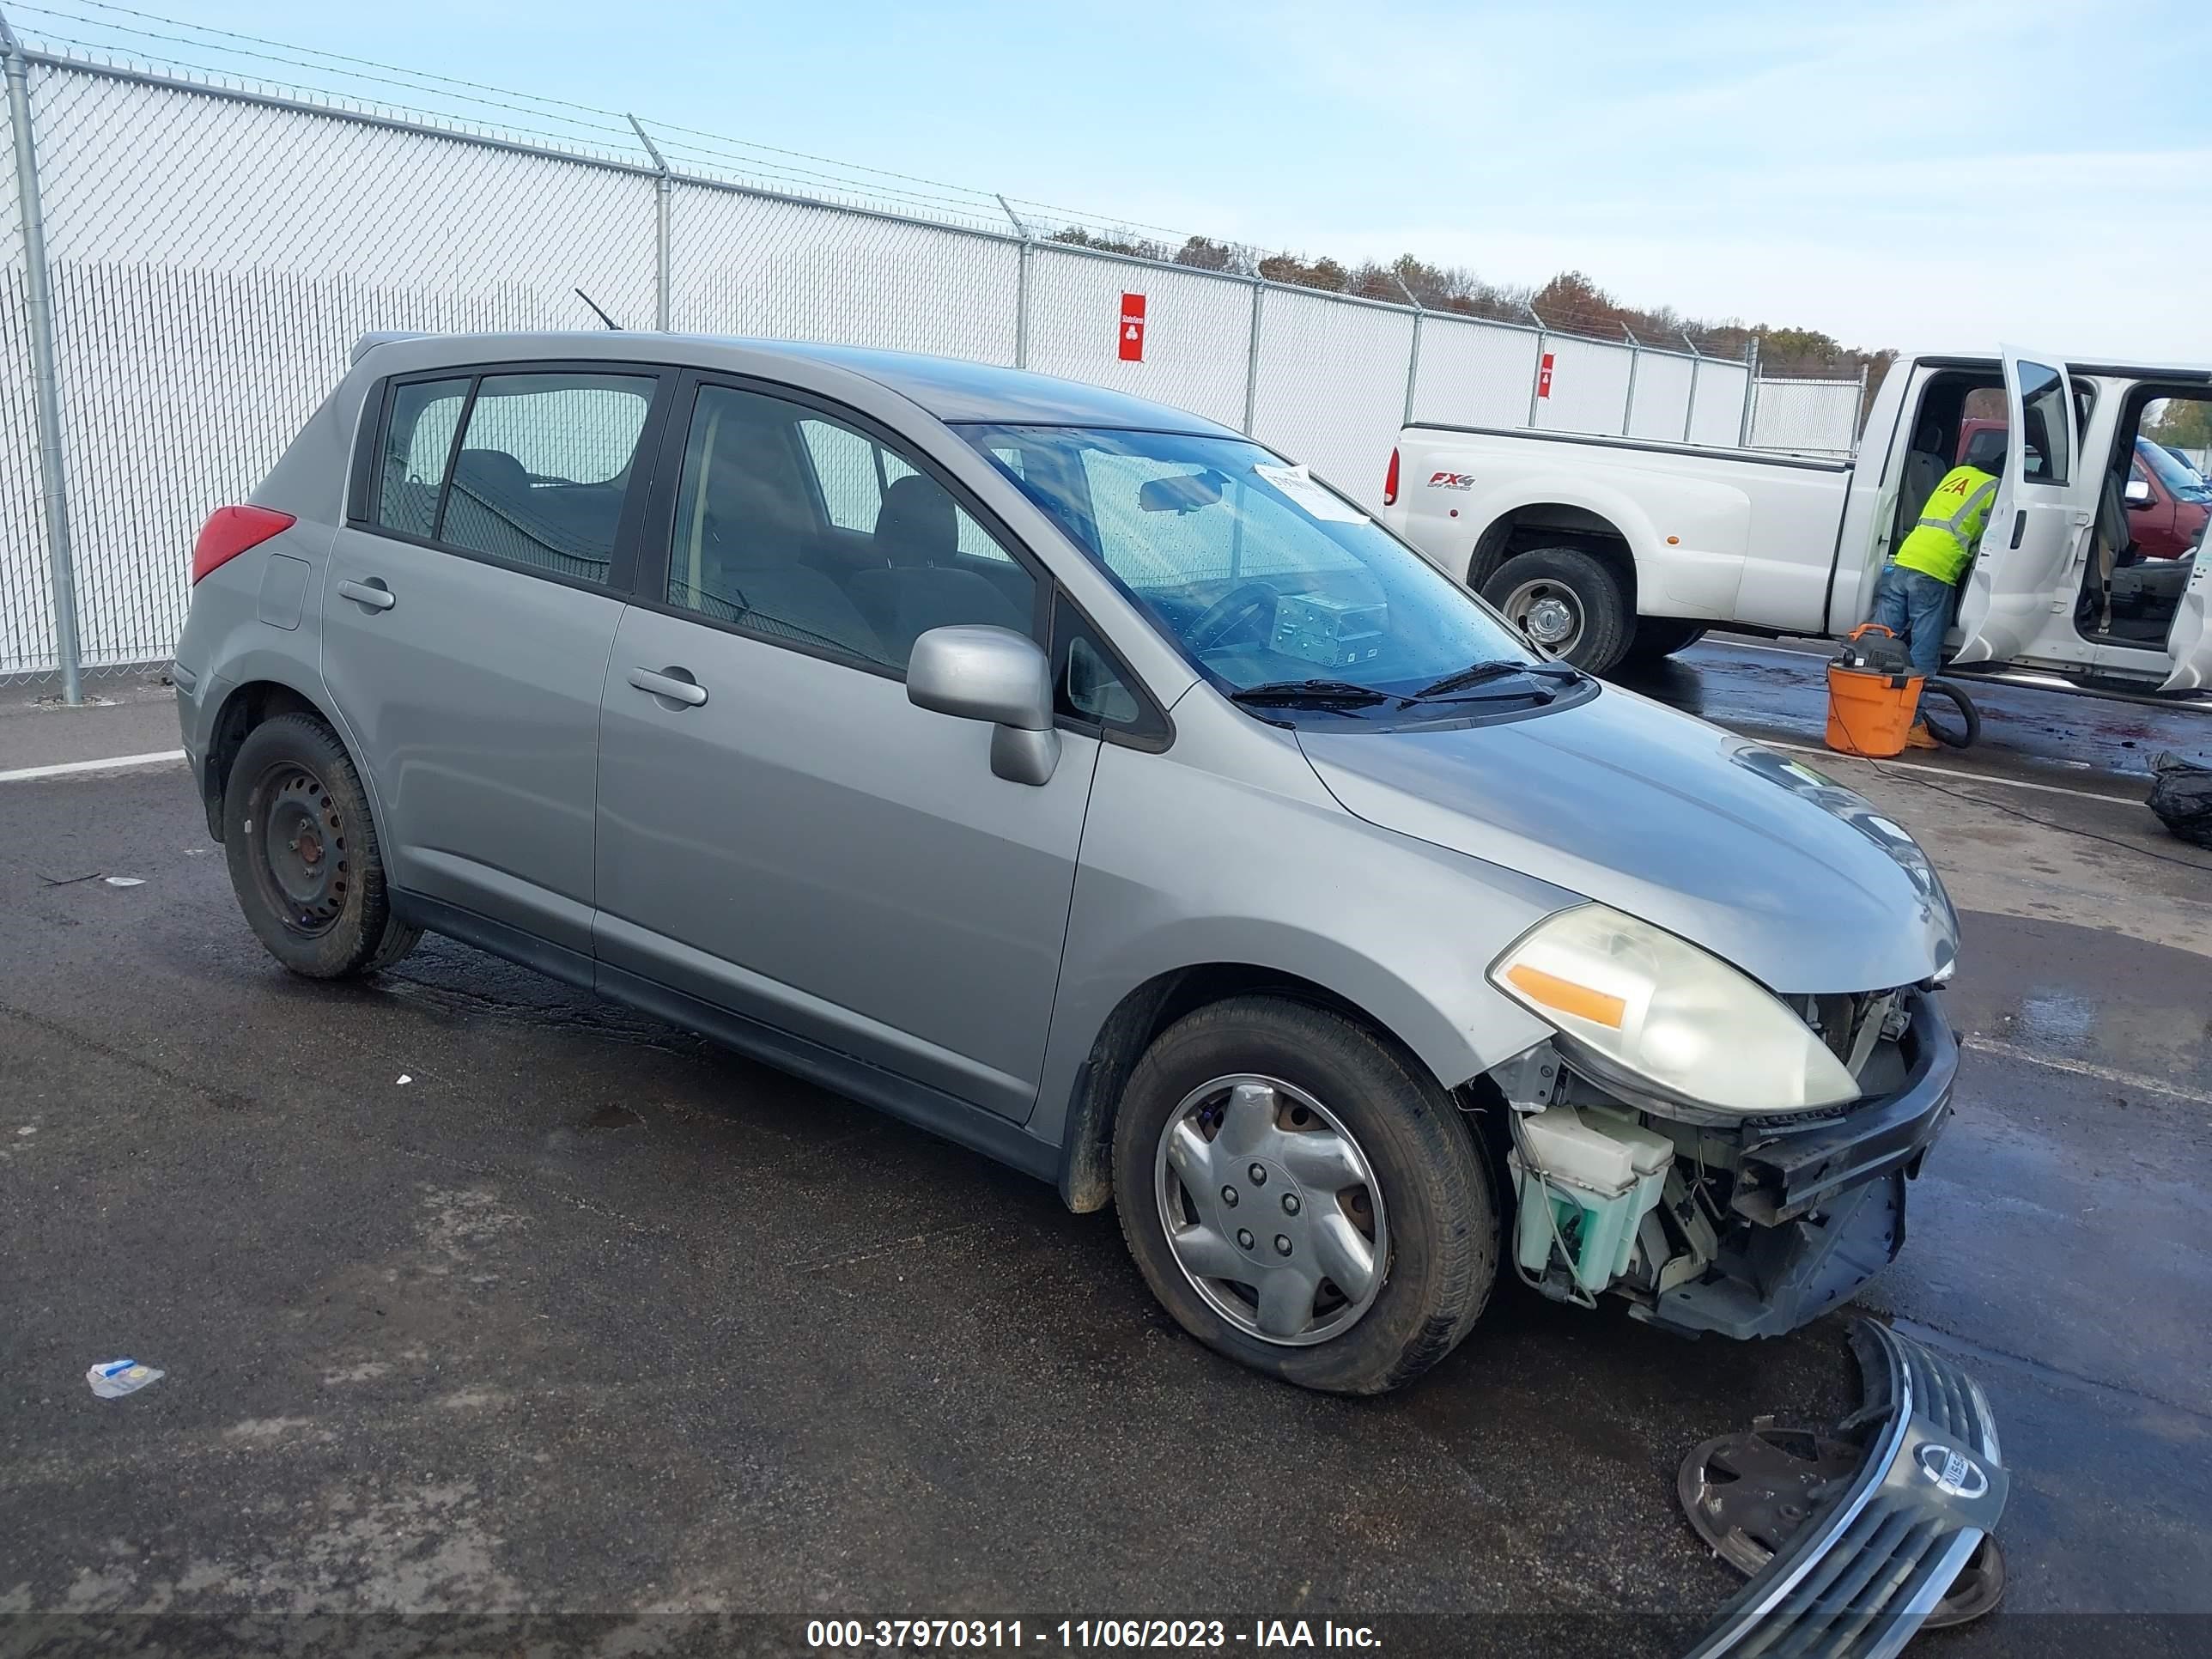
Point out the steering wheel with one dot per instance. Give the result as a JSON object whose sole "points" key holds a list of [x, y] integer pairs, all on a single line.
{"points": [[1244, 601]]}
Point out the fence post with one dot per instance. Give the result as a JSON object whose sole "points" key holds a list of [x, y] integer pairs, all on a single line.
{"points": [[1750, 391], [1859, 409], [1536, 379], [46, 379], [1252, 355], [1021, 285], [663, 185], [1635, 357], [1690, 405], [1413, 357]]}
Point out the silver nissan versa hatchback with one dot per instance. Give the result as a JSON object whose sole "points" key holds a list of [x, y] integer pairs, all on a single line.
{"points": [[1084, 782]]}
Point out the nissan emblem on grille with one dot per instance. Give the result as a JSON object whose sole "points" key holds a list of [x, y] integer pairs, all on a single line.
{"points": [[1953, 1472]]}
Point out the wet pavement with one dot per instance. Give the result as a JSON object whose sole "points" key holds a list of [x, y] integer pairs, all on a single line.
{"points": [[474, 1295], [1777, 687]]}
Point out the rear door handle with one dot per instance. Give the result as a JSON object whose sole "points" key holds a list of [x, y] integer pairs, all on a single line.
{"points": [[2019, 525], [373, 593], [674, 683]]}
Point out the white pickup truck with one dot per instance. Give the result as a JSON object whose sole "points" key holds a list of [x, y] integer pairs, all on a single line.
{"points": [[1605, 550]]}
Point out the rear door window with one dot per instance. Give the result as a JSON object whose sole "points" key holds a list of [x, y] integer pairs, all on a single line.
{"points": [[543, 469], [2043, 399]]}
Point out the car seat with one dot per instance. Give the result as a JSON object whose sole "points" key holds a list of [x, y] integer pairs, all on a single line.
{"points": [[1924, 470], [920, 586], [741, 560]]}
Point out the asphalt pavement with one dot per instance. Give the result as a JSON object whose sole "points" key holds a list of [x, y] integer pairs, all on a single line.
{"points": [[477, 1297]]}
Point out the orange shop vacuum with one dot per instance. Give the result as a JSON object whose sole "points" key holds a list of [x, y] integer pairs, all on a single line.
{"points": [[1874, 692]]}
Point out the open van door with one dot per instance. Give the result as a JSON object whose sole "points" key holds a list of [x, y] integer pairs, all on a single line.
{"points": [[2046, 498], [2189, 641]]}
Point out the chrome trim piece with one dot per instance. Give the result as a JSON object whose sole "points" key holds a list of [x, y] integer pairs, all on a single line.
{"points": [[1917, 1393]]}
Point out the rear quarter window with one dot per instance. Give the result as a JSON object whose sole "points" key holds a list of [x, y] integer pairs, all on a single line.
{"points": [[418, 441]]}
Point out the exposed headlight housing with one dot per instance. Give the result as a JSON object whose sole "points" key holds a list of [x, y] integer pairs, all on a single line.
{"points": [[1667, 1012]]}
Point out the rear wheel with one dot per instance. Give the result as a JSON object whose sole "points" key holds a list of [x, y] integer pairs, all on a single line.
{"points": [[1565, 602], [1657, 638], [303, 855], [1301, 1198]]}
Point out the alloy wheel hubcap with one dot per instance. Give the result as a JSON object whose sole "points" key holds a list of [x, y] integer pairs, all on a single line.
{"points": [[1271, 1209], [1546, 613]]}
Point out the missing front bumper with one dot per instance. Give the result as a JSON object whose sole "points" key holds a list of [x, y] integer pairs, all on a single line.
{"points": [[1759, 1227], [1864, 1573]]}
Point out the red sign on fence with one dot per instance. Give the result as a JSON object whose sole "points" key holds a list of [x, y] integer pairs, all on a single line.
{"points": [[1132, 328], [1544, 377]]}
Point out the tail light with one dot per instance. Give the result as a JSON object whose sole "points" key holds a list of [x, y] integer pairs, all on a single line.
{"points": [[230, 531], [1390, 482]]}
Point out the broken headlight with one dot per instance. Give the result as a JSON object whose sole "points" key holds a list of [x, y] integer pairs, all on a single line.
{"points": [[1665, 1012]]}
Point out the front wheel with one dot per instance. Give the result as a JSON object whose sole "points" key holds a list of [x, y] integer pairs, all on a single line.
{"points": [[1567, 603], [302, 852], [1301, 1198]]}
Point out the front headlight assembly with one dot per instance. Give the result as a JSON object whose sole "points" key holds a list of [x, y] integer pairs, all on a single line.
{"points": [[1671, 1014]]}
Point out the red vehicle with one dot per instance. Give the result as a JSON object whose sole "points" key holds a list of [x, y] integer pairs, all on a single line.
{"points": [[2167, 502]]}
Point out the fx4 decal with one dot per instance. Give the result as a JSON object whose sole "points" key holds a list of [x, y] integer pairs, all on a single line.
{"points": [[1451, 480]]}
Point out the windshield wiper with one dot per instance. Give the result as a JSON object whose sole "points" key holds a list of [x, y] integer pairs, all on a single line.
{"points": [[1310, 694], [1482, 673]]}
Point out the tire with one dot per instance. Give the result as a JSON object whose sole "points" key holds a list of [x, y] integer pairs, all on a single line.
{"points": [[1658, 638], [1565, 602], [302, 851], [1314, 1081], [1956, 731]]}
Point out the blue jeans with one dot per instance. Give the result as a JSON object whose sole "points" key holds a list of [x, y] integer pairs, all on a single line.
{"points": [[1916, 608]]}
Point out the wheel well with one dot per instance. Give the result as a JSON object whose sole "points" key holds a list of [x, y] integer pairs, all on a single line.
{"points": [[1086, 1154], [242, 710], [1554, 524]]}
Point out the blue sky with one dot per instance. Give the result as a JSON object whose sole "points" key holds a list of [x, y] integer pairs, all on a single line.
{"points": [[1943, 173]]}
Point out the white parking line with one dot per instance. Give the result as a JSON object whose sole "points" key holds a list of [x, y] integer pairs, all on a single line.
{"points": [[1948, 774], [2085, 1068], [112, 763]]}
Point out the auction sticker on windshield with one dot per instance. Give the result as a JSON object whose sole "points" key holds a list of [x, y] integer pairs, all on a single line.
{"points": [[1297, 484]]}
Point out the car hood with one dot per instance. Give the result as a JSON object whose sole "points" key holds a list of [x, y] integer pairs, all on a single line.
{"points": [[1741, 848]]}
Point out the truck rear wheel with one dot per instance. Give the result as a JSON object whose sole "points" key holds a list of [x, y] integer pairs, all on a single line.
{"points": [[1565, 602]]}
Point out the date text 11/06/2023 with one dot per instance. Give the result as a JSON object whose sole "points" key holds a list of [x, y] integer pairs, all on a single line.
{"points": [[1085, 1634]]}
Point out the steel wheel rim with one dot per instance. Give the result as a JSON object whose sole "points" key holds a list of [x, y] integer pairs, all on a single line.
{"points": [[299, 854], [1298, 1254], [1547, 612]]}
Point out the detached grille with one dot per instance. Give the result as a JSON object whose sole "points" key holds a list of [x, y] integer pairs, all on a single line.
{"points": [[1860, 1578]]}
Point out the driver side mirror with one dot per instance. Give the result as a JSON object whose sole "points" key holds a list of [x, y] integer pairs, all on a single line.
{"points": [[2137, 494], [993, 674]]}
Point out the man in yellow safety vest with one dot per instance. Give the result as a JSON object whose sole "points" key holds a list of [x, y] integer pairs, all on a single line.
{"points": [[1912, 599]]}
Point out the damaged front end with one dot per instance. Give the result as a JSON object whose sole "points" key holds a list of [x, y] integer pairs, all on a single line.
{"points": [[1745, 1223]]}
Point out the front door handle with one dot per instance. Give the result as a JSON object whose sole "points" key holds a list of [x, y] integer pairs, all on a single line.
{"points": [[373, 593], [674, 683]]}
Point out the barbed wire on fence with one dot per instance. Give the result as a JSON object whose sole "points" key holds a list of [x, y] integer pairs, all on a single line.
{"points": [[215, 244]]}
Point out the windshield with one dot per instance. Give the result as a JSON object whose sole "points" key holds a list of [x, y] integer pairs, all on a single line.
{"points": [[2178, 475], [1270, 583]]}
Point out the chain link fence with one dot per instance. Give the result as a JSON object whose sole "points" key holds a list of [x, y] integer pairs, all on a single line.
{"points": [[1807, 416], [215, 250]]}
